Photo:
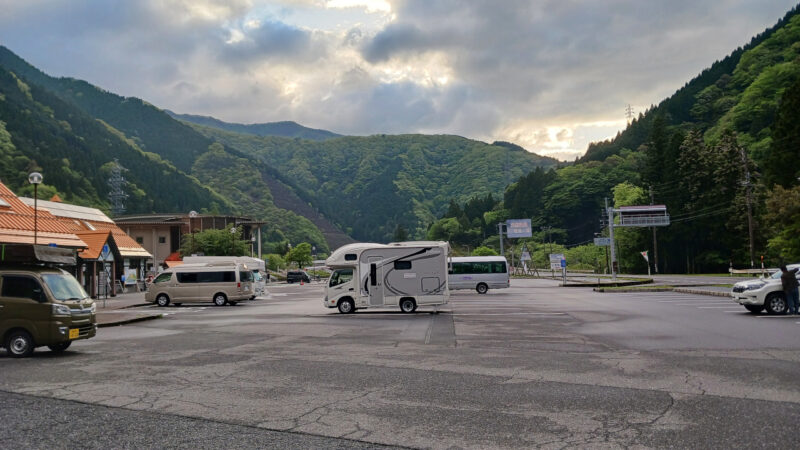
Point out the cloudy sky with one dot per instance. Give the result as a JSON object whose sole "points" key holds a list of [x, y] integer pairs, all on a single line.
{"points": [[550, 75]]}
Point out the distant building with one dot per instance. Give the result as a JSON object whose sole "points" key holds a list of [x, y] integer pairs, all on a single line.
{"points": [[161, 234]]}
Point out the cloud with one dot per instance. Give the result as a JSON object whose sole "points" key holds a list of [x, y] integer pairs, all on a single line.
{"points": [[550, 75]]}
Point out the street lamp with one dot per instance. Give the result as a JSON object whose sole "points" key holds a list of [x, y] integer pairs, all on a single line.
{"points": [[233, 241], [35, 178], [252, 246]]}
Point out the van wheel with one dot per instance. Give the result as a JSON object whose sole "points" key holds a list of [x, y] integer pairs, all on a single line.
{"points": [[162, 300], [482, 288], [60, 347], [408, 305], [755, 309], [220, 299], [776, 303], [346, 306], [19, 344]]}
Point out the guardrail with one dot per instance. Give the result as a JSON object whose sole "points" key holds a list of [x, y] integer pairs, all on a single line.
{"points": [[750, 271]]}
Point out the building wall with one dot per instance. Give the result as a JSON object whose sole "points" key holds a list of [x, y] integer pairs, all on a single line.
{"points": [[150, 235]]}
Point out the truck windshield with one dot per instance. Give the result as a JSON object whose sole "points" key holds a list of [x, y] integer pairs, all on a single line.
{"points": [[64, 287], [341, 276]]}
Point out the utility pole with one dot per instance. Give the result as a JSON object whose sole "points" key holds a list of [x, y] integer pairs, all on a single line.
{"points": [[748, 186], [655, 243], [550, 241], [610, 212], [500, 230]]}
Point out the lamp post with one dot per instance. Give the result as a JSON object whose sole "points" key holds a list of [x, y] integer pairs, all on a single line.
{"points": [[233, 241], [252, 246], [35, 178]]}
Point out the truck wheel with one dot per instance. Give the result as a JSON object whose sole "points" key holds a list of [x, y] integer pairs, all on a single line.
{"points": [[408, 305], [755, 309], [19, 344], [346, 306], [482, 288], [60, 347], [220, 299], [162, 300], [776, 303]]}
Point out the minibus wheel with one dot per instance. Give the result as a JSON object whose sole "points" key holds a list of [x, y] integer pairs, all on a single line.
{"points": [[220, 299], [162, 300], [482, 288], [346, 306]]}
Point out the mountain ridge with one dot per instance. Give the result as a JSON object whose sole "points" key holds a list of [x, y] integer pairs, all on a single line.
{"points": [[287, 128]]}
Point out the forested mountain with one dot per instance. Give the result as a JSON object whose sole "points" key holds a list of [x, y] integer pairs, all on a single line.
{"points": [[137, 126], [724, 147], [371, 185], [281, 129]]}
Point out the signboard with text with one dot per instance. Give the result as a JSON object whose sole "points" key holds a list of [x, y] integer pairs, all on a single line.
{"points": [[518, 228], [602, 241], [557, 261]]}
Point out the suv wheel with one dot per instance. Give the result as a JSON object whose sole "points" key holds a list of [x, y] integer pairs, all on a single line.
{"points": [[776, 303], [19, 344]]}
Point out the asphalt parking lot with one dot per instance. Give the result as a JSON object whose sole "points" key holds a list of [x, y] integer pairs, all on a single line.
{"points": [[535, 365]]}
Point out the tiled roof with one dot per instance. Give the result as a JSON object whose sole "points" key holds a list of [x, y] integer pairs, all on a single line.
{"points": [[95, 240], [17, 222]]}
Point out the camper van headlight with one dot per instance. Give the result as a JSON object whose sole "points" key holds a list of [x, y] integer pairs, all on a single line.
{"points": [[60, 310]]}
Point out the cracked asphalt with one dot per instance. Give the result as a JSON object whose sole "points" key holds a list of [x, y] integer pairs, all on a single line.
{"points": [[531, 366]]}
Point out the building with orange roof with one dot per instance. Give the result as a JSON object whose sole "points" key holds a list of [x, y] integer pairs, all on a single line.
{"points": [[110, 256]]}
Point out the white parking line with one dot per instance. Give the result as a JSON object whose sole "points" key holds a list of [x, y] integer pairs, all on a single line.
{"points": [[513, 314], [713, 307]]}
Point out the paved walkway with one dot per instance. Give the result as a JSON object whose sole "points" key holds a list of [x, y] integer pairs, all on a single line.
{"points": [[120, 310]]}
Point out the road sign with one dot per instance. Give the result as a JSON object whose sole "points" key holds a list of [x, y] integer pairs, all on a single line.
{"points": [[557, 261], [518, 228], [602, 241]]}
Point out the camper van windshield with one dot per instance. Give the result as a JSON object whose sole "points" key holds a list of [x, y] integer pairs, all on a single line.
{"points": [[341, 276]]}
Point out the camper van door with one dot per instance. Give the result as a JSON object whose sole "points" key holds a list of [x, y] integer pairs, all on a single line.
{"points": [[375, 280]]}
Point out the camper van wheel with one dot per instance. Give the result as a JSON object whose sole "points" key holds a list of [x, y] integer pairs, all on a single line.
{"points": [[482, 288], [19, 344], [220, 299], [162, 300], [346, 306], [408, 305]]}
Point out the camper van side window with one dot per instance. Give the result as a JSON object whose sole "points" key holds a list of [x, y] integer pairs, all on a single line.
{"points": [[350, 257], [402, 265]]}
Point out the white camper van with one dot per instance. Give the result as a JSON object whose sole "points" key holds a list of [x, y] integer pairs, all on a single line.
{"points": [[255, 265], [404, 274]]}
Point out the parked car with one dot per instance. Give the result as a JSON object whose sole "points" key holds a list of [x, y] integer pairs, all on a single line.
{"points": [[43, 306], [295, 276], [762, 293]]}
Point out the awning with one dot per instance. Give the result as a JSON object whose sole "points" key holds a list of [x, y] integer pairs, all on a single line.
{"points": [[134, 252], [54, 254]]}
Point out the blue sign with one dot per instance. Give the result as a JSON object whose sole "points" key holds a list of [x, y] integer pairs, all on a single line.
{"points": [[518, 228], [563, 263]]}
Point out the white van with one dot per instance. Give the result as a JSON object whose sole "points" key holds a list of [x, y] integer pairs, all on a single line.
{"points": [[404, 274], [257, 266], [221, 283], [478, 272]]}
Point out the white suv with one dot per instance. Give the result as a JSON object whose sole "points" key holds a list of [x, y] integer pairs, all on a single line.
{"points": [[755, 295]]}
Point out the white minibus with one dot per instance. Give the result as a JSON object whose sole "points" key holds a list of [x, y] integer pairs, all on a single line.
{"points": [[478, 272]]}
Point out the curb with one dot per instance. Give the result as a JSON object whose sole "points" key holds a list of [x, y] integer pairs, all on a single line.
{"points": [[127, 321]]}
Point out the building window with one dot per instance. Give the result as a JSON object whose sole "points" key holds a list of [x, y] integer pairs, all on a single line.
{"points": [[139, 240], [162, 240]]}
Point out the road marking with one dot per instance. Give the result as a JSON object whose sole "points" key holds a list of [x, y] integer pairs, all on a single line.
{"points": [[713, 307], [513, 314]]}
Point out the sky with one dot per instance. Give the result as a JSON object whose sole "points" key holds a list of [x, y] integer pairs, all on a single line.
{"points": [[549, 75]]}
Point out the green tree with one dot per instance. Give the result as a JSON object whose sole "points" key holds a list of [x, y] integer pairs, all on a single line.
{"points": [[484, 251], [400, 234], [780, 164], [300, 254], [275, 262], [783, 212], [215, 243]]}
